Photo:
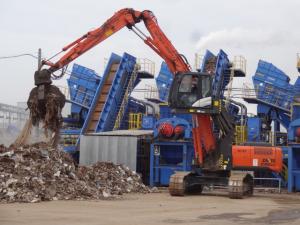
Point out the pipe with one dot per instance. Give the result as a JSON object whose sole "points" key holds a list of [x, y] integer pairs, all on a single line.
{"points": [[243, 110], [154, 112]]}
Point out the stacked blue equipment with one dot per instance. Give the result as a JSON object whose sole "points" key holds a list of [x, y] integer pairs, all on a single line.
{"points": [[274, 95], [115, 95], [164, 81], [272, 86], [82, 83], [221, 71], [87, 88]]}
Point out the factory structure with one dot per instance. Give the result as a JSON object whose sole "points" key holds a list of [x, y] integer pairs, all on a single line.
{"points": [[106, 123], [103, 136]]}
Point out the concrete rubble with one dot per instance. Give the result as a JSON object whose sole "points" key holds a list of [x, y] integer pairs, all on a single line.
{"points": [[40, 173]]}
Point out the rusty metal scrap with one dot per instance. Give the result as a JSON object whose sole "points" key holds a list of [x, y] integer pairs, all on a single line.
{"points": [[40, 173], [48, 110]]}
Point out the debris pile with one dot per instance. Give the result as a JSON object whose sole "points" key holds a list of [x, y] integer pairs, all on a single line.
{"points": [[40, 173]]}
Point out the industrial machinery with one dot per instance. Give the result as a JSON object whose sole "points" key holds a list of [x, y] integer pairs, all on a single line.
{"points": [[274, 94], [172, 149], [277, 102], [190, 92], [172, 146]]}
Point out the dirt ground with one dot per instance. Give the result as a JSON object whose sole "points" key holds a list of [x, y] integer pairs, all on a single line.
{"points": [[158, 208]]}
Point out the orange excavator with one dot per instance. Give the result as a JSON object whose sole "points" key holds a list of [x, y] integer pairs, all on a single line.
{"points": [[217, 161]]}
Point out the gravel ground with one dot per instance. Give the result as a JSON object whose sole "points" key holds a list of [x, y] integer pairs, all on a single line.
{"points": [[158, 208]]}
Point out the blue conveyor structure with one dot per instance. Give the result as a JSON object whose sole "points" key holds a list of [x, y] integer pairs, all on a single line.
{"points": [[220, 66], [82, 83], [274, 96], [110, 93], [108, 96], [164, 81]]}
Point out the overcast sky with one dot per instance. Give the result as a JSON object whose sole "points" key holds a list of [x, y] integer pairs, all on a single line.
{"points": [[256, 29]]}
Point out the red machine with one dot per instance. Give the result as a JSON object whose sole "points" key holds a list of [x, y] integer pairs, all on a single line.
{"points": [[215, 159], [251, 157]]}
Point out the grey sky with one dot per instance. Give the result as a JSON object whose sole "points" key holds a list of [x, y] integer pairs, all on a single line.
{"points": [[257, 29]]}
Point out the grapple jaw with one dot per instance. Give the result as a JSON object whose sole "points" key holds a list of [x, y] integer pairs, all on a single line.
{"points": [[42, 77]]}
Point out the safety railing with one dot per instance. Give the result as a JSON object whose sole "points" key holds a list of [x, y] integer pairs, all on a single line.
{"points": [[198, 61], [240, 63], [240, 134], [146, 65], [135, 121], [257, 187], [228, 92], [151, 92], [68, 140], [248, 91]]}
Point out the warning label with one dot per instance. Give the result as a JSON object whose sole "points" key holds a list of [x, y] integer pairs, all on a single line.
{"points": [[255, 162]]}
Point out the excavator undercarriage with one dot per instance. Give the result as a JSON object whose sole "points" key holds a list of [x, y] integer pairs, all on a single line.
{"points": [[239, 183]]}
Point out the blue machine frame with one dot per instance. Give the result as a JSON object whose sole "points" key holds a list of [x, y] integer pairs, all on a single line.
{"points": [[294, 168], [178, 155], [169, 155]]}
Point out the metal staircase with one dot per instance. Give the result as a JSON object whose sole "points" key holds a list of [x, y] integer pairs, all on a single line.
{"points": [[123, 107]]}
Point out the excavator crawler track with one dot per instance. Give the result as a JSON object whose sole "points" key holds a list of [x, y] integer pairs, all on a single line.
{"points": [[240, 184], [177, 185]]}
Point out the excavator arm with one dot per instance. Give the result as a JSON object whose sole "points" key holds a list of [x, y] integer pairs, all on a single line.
{"points": [[125, 18]]}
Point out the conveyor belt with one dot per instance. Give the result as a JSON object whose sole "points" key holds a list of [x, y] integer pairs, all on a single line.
{"points": [[93, 121]]}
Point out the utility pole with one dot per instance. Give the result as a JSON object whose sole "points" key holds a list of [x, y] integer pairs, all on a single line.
{"points": [[39, 58], [37, 128]]}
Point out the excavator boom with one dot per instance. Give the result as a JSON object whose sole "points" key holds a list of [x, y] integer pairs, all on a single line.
{"points": [[125, 18]]}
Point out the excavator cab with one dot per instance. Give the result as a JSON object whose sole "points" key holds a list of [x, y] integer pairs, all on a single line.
{"points": [[191, 92]]}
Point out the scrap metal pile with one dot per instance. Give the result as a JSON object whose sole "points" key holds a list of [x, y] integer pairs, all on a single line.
{"points": [[41, 173], [47, 110]]}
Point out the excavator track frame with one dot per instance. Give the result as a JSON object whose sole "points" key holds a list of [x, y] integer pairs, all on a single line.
{"points": [[177, 184], [239, 183]]}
